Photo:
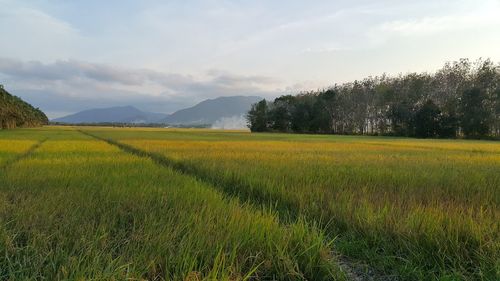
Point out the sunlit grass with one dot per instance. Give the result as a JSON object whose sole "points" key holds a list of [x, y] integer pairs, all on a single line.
{"points": [[78, 208], [10, 149], [422, 209]]}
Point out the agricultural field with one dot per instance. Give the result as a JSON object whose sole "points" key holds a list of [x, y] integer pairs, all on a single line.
{"points": [[180, 204]]}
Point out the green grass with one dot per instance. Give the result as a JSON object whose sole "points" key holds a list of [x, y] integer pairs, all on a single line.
{"points": [[205, 204], [417, 209], [78, 208]]}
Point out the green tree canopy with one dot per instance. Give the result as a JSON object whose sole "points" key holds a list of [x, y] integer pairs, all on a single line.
{"points": [[461, 99], [14, 112]]}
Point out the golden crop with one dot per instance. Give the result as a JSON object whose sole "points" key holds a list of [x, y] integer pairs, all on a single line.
{"points": [[174, 204], [436, 197]]}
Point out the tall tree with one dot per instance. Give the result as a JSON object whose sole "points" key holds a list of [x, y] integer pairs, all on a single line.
{"points": [[462, 98], [428, 120], [281, 113], [258, 117], [475, 116]]}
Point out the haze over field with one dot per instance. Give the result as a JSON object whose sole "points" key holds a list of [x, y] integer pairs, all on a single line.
{"points": [[65, 56], [225, 111]]}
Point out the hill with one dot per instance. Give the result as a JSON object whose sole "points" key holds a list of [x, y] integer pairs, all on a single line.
{"points": [[119, 114], [212, 110], [14, 112], [207, 112]]}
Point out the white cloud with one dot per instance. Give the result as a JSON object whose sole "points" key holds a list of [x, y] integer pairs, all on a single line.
{"points": [[484, 16], [32, 34], [74, 82], [166, 50]]}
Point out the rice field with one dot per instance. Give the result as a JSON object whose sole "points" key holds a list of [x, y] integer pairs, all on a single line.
{"points": [[180, 204]]}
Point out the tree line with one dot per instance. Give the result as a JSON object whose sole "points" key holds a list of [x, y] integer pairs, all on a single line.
{"points": [[462, 99], [14, 112]]}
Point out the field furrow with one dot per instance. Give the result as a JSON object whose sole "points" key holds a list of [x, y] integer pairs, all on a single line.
{"points": [[81, 208], [11, 155], [413, 209], [13, 145]]}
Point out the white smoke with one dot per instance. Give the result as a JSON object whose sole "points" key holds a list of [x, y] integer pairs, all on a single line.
{"points": [[231, 123]]}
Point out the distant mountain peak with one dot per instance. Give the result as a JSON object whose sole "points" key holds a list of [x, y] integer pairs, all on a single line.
{"points": [[211, 110], [207, 112], [116, 114]]}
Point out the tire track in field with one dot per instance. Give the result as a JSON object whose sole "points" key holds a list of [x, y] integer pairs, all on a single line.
{"points": [[232, 187], [355, 271], [22, 155]]}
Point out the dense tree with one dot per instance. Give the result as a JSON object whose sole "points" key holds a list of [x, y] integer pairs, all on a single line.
{"points": [[14, 112], [428, 120], [283, 108], [258, 117], [496, 112], [320, 121], [303, 114], [401, 117], [475, 116], [449, 125], [461, 99]]}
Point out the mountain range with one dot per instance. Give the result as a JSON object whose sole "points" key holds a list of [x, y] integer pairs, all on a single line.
{"points": [[206, 112]]}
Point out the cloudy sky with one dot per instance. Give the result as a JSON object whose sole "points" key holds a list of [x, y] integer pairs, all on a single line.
{"points": [[65, 56]]}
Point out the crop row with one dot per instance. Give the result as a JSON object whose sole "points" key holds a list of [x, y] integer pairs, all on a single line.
{"points": [[416, 209], [77, 207]]}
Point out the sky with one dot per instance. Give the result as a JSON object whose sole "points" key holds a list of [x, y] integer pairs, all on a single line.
{"points": [[161, 56]]}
